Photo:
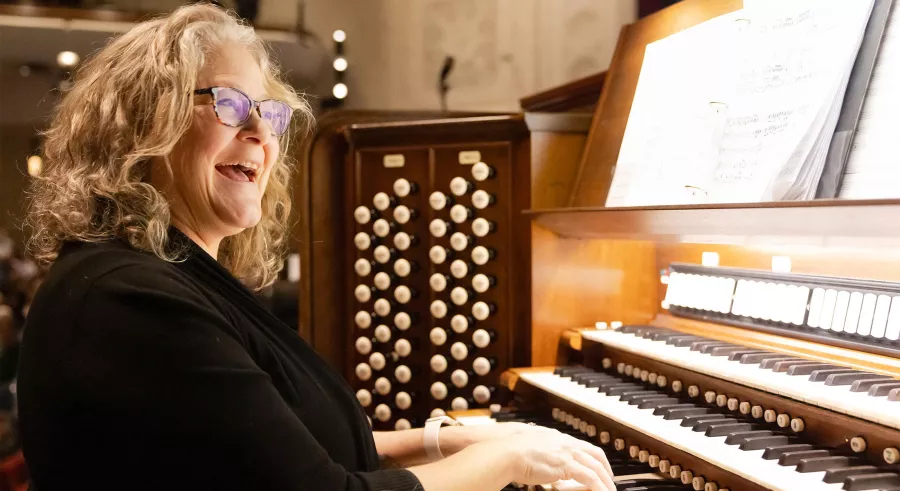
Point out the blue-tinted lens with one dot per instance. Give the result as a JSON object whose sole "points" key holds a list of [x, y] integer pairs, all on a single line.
{"points": [[232, 107], [277, 114]]}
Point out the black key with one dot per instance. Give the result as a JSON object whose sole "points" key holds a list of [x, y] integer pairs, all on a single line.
{"points": [[788, 459], [808, 369], [615, 384], [761, 442], [741, 436], [628, 396], [669, 486], [785, 365], [568, 371], [703, 426], [833, 476], [882, 480], [692, 420], [738, 355], [756, 358], [726, 350], [674, 339], [633, 328], [819, 464], [773, 453], [637, 401], [725, 429], [674, 414], [621, 389], [708, 349], [822, 375], [847, 378], [884, 389], [699, 345], [894, 395], [863, 385], [598, 382], [662, 336], [769, 363], [653, 403], [687, 342], [661, 409]]}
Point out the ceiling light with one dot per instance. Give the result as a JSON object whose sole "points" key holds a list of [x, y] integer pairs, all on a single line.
{"points": [[339, 36], [67, 59], [340, 63], [339, 90]]}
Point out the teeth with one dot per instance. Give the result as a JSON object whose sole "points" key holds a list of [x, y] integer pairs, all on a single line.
{"points": [[247, 165]]}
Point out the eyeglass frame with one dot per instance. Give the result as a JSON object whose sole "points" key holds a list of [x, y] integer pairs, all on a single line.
{"points": [[253, 103]]}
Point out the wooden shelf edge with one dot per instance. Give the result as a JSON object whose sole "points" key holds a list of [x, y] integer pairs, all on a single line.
{"points": [[817, 218]]}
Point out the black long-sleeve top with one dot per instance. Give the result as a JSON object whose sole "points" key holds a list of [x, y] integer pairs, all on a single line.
{"points": [[140, 374]]}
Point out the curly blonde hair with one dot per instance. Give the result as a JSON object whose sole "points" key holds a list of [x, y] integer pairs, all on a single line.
{"points": [[130, 102]]}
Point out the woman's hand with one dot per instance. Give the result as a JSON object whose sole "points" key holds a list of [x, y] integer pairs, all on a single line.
{"points": [[452, 439], [541, 455]]}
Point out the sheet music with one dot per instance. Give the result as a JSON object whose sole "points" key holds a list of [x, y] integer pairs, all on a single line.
{"points": [[741, 107], [872, 170]]}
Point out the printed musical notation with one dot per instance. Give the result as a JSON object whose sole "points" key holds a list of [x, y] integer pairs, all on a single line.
{"points": [[741, 107]]}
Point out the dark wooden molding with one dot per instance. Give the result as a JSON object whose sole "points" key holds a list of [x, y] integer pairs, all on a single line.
{"points": [[456, 130], [581, 93]]}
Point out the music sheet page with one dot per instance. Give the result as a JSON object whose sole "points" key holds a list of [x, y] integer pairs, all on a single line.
{"points": [[734, 109]]}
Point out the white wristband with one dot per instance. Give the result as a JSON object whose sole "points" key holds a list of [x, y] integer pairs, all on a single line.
{"points": [[430, 435]]}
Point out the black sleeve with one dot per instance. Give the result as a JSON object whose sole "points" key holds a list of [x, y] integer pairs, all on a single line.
{"points": [[170, 388]]}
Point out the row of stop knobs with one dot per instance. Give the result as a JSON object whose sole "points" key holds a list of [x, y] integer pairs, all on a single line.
{"points": [[699, 483]]}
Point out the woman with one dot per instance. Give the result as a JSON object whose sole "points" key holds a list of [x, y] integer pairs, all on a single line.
{"points": [[146, 362]]}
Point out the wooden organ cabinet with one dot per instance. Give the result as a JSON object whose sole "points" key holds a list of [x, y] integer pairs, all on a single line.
{"points": [[414, 247], [717, 347]]}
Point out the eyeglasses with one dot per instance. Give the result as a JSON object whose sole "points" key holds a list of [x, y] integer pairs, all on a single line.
{"points": [[233, 108]]}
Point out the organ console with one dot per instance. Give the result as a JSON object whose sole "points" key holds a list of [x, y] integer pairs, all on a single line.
{"points": [[728, 347]]}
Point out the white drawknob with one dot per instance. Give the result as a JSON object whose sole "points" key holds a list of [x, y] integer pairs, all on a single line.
{"points": [[437, 200], [377, 360], [402, 214], [402, 294], [402, 321], [480, 255], [382, 280], [459, 295], [437, 254], [403, 374], [383, 333], [438, 282], [481, 394], [481, 227], [481, 283], [459, 269], [382, 307], [382, 412], [382, 254], [402, 424], [363, 372], [459, 186], [459, 213], [438, 364], [362, 267], [363, 319], [459, 378], [383, 386], [439, 391], [402, 241], [481, 338], [459, 323], [438, 309], [481, 171], [364, 397], [403, 401], [362, 293], [437, 227], [481, 311], [438, 336], [381, 201], [381, 227], [481, 199], [362, 241], [459, 241], [459, 404], [402, 347], [363, 345], [481, 366], [402, 267], [402, 187], [362, 215], [459, 351]]}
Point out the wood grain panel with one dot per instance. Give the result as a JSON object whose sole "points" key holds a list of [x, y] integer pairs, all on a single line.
{"points": [[614, 106], [555, 157], [579, 282], [822, 426]]}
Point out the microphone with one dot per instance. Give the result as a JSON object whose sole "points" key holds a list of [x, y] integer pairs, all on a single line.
{"points": [[442, 82]]}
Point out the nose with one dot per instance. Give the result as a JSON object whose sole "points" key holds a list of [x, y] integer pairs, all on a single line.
{"points": [[256, 130]]}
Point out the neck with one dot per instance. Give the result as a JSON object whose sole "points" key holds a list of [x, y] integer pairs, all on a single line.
{"points": [[208, 244]]}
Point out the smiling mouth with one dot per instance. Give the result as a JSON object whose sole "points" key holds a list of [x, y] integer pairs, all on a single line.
{"points": [[237, 172]]}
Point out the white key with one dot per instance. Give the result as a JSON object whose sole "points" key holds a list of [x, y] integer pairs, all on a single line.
{"points": [[766, 473], [867, 314], [840, 311], [879, 323], [892, 332], [853, 311], [815, 307], [835, 398]]}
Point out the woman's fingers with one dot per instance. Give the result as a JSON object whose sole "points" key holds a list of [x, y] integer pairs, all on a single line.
{"points": [[600, 455], [597, 468], [583, 474]]}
